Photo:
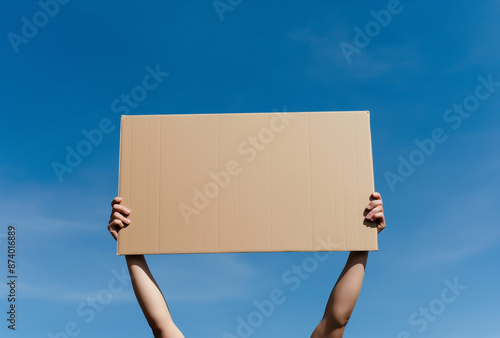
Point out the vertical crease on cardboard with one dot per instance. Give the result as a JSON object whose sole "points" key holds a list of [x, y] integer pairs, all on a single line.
{"points": [[364, 171], [203, 180], [356, 169], [343, 185], [203, 213], [129, 146], [159, 183], [364, 122], [269, 192], [218, 199], [333, 213], [310, 177], [218, 168], [239, 193], [369, 175], [147, 215], [359, 124]]}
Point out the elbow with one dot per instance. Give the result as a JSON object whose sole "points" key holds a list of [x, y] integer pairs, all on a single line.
{"points": [[338, 323], [332, 327], [343, 322], [166, 331], [339, 318], [158, 331]]}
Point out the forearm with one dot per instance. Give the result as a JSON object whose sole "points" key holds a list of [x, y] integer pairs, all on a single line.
{"points": [[149, 295], [346, 291]]}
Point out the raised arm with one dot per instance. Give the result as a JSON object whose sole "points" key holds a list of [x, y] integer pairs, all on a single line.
{"points": [[346, 291], [151, 299], [146, 290]]}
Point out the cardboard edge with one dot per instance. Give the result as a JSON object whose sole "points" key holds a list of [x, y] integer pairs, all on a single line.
{"points": [[238, 252], [119, 171], [371, 161], [123, 117], [367, 112]]}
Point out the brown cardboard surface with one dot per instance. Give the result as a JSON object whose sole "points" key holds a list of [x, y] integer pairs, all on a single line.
{"points": [[249, 182]]}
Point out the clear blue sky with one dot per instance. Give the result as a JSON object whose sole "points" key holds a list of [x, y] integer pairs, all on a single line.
{"points": [[431, 69]]}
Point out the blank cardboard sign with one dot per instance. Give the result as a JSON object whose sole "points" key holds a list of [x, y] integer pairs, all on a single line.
{"points": [[249, 182]]}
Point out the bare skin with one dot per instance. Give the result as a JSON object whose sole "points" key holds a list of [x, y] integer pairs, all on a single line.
{"points": [[338, 308], [346, 291], [146, 290]]}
